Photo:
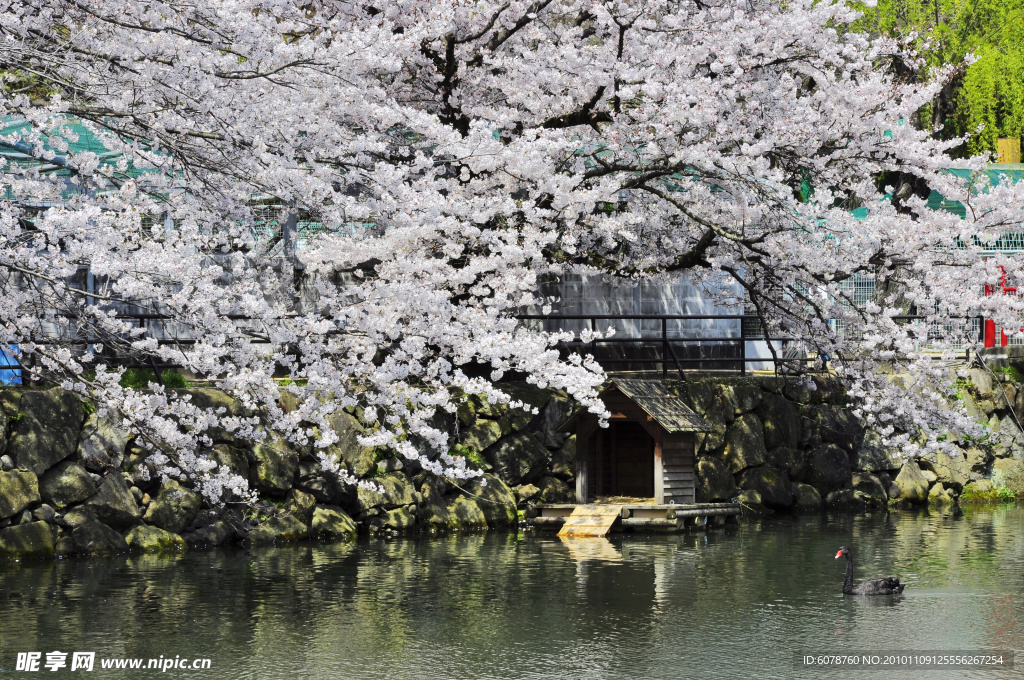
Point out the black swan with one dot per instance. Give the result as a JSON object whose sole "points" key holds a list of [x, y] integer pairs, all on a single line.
{"points": [[875, 586]]}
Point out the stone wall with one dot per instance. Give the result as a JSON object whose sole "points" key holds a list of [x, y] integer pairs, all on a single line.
{"points": [[74, 484], [778, 445]]}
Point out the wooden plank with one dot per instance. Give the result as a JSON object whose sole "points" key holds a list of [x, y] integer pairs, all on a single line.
{"points": [[678, 476], [591, 520], [651, 523]]}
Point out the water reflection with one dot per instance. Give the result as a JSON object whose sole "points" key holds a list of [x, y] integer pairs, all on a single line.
{"points": [[727, 604]]}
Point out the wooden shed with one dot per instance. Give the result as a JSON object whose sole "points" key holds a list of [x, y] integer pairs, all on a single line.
{"points": [[647, 450]]}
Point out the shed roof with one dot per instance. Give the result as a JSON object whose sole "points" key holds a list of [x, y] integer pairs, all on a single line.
{"points": [[667, 409]]}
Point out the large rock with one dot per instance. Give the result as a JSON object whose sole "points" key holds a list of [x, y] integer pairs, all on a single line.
{"points": [[86, 535], [563, 461], [978, 458], [66, 483], [912, 483], [47, 431], [174, 507], [714, 481], [481, 435], [230, 459], [742, 397], [497, 501], [812, 390], [874, 456], [18, 490], [780, 421], [751, 501], [1009, 474], [218, 401], [793, 461], [465, 513], [869, 490], [553, 490], [545, 426], [144, 539], [358, 459], [515, 419], [744, 444], [5, 433], [114, 504], [772, 484], [940, 496], [300, 504], [1008, 438], [982, 382], [28, 540], [952, 471], [828, 468], [324, 485], [832, 425], [395, 490], [102, 443], [284, 528], [273, 465], [331, 523], [433, 509], [805, 497], [397, 519], [210, 536], [518, 459], [706, 399]]}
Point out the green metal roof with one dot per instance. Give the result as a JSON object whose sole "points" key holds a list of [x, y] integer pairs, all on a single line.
{"points": [[81, 140]]}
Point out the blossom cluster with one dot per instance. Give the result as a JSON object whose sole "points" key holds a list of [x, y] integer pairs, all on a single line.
{"points": [[456, 155]]}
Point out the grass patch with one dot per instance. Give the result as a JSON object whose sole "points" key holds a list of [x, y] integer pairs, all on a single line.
{"points": [[1002, 495], [140, 378], [1012, 373]]}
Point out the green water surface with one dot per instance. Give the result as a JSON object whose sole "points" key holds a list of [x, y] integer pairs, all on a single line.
{"points": [[742, 602]]}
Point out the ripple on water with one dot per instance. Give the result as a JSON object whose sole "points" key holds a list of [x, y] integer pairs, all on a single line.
{"points": [[731, 604]]}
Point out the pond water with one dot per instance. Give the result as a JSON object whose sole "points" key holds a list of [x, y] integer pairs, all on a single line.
{"points": [[741, 602]]}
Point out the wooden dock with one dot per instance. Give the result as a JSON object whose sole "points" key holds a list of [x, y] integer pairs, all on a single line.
{"points": [[590, 520]]}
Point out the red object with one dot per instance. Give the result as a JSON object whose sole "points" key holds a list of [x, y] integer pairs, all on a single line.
{"points": [[990, 325]]}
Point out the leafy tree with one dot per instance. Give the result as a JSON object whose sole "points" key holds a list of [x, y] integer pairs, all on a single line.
{"points": [[983, 40]]}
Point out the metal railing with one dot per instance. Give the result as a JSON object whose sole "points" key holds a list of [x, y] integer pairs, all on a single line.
{"points": [[658, 342], [661, 348]]}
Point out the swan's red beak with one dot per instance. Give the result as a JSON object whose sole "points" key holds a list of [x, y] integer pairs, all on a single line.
{"points": [[839, 554]]}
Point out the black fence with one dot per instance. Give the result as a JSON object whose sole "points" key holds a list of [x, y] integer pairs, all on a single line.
{"points": [[653, 343], [669, 342]]}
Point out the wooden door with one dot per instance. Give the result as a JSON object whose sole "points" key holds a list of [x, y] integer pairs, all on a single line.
{"points": [[631, 452]]}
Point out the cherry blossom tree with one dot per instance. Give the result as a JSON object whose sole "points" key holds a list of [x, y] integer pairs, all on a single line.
{"points": [[456, 153]]}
